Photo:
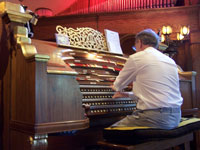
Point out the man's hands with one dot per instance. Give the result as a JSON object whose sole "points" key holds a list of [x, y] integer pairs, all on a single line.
{"points": [[120, 94], [112, 86]]}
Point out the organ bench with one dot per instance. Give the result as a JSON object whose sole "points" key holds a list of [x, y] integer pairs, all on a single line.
{"points": [[143, 138]]}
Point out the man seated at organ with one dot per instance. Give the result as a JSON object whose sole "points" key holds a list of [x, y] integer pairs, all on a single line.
{"points": [[155, 82]]}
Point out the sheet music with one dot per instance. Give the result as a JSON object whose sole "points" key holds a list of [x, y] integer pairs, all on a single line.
{"points": [[113, 42], [62, 39]]}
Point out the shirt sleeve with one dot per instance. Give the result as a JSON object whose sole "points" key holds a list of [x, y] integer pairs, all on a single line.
{"points": [[126, 75]]}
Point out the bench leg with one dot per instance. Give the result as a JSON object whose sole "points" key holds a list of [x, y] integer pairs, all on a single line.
{"points": [[187, 145]]}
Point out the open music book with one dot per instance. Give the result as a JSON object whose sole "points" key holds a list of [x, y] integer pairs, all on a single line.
{"points": [[113, 42]]}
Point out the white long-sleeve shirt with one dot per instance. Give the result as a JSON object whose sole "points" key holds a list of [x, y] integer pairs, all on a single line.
{"points": [[155, 79]]}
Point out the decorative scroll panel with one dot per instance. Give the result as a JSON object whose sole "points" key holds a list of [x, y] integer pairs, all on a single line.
{"points": [[86, 38]]}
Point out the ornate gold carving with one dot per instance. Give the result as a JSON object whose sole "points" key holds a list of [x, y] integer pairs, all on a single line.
{"points": [[14, 12], [21, 31], [28, 50], [17, 17], [30, 53], [7, 6], [21, 35], [22, 39], [38, 57], [84, 38]]}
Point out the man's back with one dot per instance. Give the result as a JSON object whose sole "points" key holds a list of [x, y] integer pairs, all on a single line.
{"points": [[157, 81]]}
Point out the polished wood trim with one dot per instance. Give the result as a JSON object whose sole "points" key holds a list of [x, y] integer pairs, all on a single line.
{"points": [[50, 127], [62, 72], [38, 57], [187, 74]]}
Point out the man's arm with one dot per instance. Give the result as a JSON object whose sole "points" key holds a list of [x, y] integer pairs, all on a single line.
{"points": [[126, 76]]}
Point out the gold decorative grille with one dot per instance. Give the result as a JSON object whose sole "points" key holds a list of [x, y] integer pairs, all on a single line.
{"points": [[86, 38]]}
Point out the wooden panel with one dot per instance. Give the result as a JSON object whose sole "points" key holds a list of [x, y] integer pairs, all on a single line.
{"points": [[46, 27], [80, 140], [186, 93], [42, 102], [195, 37], [24, 141], [123, 22], [6, 107], [194, 59], [195, 53], [183, 57], [1, 114], [134, 22], [127, 41], [23, 91], [4, 55]]}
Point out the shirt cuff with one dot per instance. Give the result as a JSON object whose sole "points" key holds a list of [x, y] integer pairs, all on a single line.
{"points": [[116, 88]]}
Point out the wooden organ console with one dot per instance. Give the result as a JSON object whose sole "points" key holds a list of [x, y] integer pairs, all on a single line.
{"points": [[39, 92], [45, 84]]}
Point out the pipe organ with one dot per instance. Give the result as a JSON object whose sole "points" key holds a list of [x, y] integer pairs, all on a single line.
{"points": [[44, 87], [98, 6]]}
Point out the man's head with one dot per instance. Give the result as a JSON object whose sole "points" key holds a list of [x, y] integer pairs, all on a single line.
{"points": [[145, 39]]}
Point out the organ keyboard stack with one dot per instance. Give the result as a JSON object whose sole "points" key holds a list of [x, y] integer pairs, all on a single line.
{"points": [[100, 100], [97, 69]]}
